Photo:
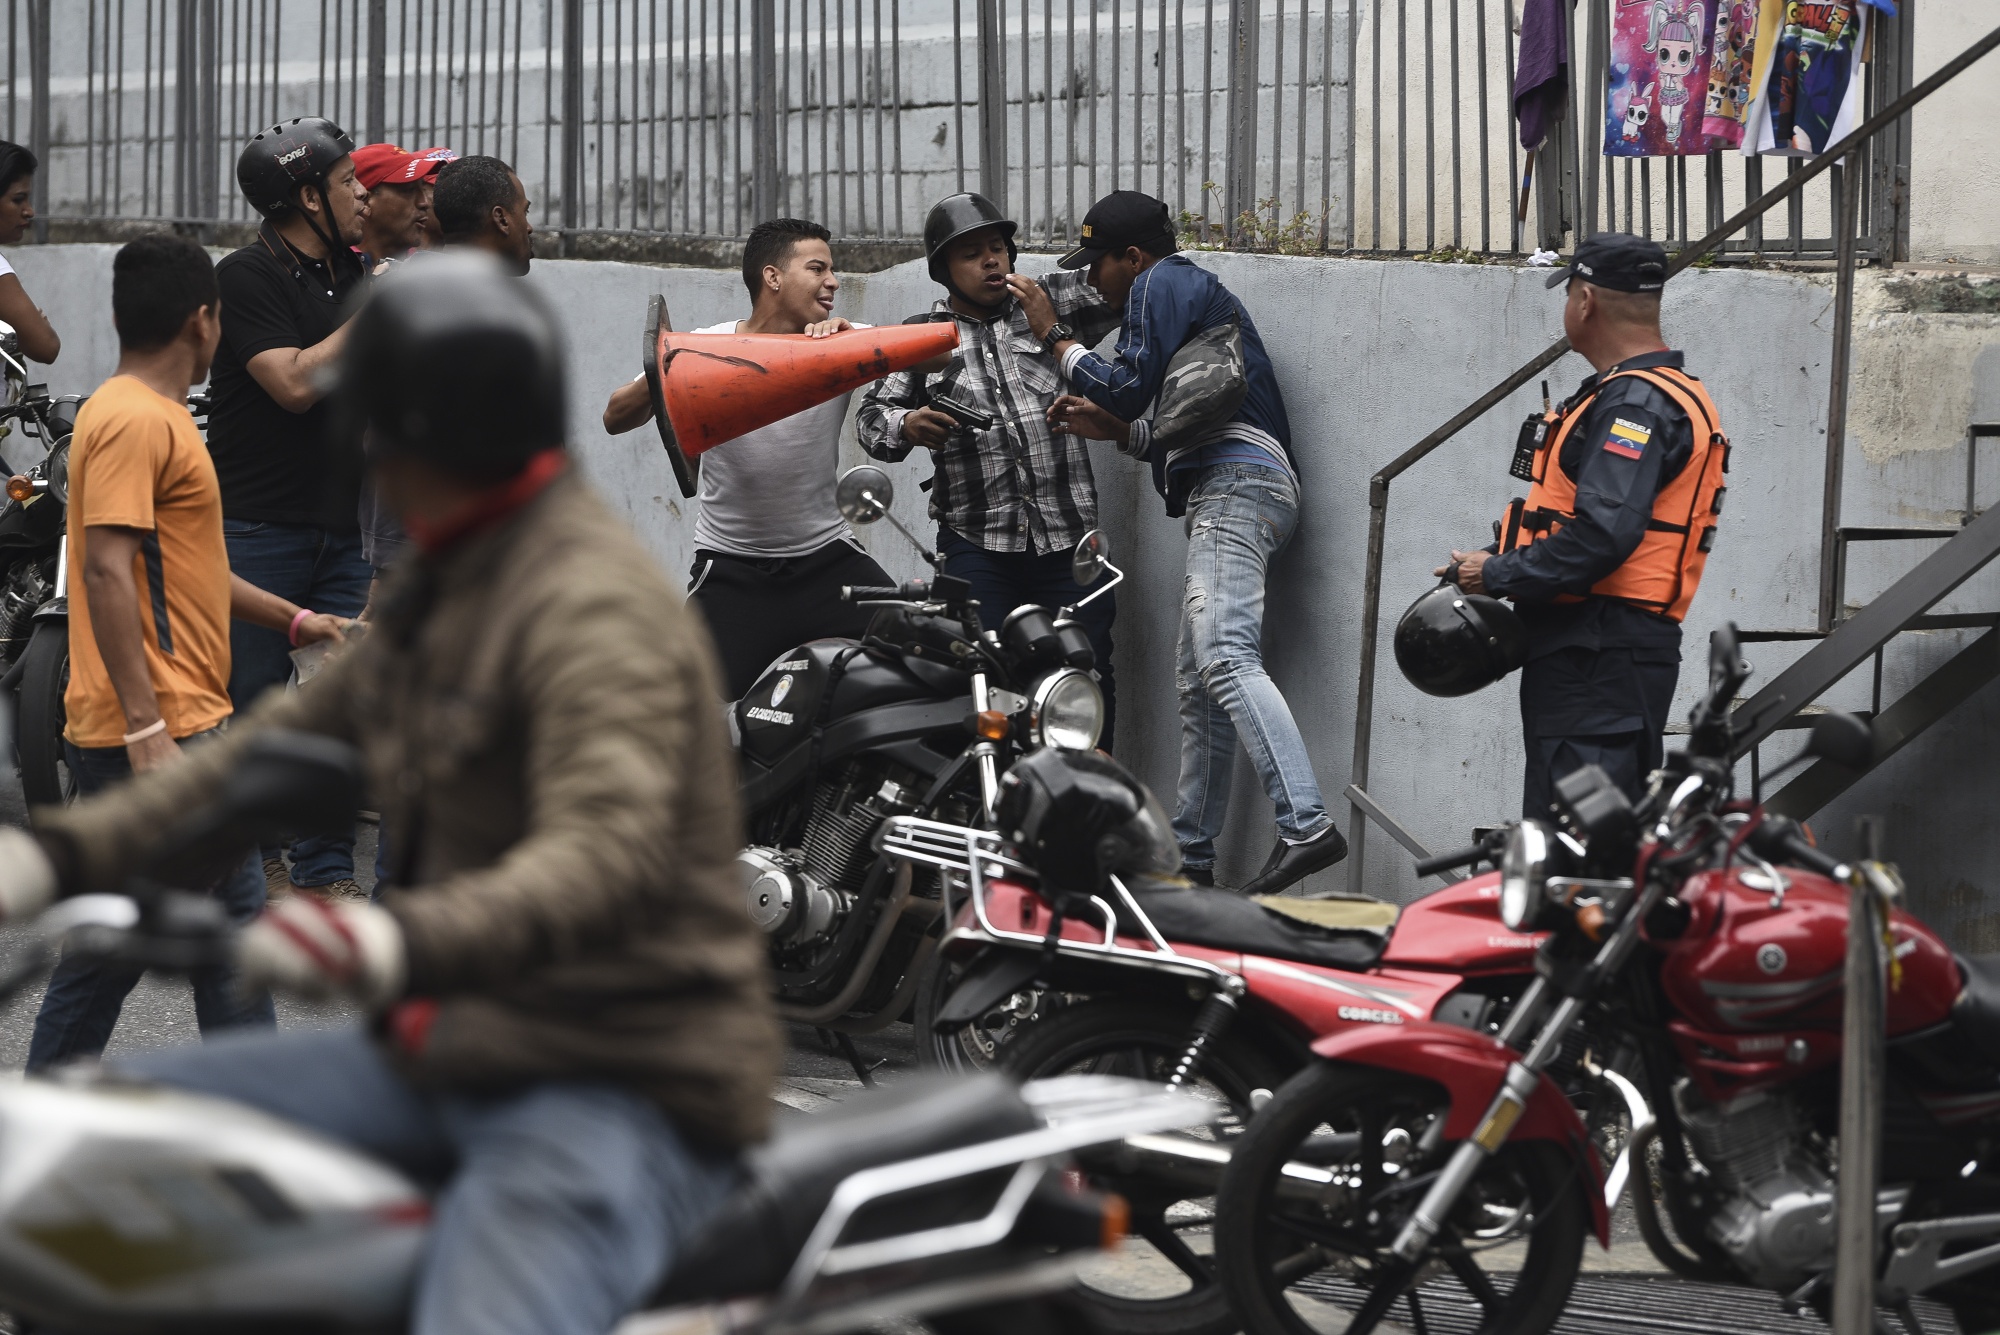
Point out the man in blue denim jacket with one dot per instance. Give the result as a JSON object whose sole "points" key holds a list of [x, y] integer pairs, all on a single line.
{"points": [[1238, 486]]}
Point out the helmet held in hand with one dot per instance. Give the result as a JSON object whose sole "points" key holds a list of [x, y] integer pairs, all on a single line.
{"points": [[1454, 643]]}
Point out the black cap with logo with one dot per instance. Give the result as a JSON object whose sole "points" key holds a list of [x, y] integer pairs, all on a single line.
{"points": [[1619, 261], [1123, 218]]}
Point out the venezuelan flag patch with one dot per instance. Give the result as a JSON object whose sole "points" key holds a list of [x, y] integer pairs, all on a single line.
{"points": [[1627, 439]]}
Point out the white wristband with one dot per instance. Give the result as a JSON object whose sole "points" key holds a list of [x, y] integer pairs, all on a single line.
{"points": [[153, 729]]}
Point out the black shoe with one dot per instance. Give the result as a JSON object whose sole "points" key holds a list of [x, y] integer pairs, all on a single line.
{"points": [[1200, 875], [1290, 863]]}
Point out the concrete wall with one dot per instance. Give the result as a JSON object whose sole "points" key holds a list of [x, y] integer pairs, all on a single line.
{"points": [[1371, 356]]}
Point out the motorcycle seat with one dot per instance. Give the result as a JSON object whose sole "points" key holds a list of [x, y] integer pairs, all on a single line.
{"points": [[1976, 1013], [750, 1244], [1224, 920]]}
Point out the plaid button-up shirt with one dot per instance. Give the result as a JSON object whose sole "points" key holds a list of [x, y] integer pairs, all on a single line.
{"points": [[1017, 487]]}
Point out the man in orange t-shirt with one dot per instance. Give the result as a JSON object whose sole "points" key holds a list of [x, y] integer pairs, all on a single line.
{"points": [[149, 638]]}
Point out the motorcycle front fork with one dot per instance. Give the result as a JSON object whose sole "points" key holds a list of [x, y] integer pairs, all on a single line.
{"points": [[1519, 1084], [985, 755]]}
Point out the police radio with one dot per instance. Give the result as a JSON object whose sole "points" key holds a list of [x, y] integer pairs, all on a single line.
{"points": [[1534, 431]]}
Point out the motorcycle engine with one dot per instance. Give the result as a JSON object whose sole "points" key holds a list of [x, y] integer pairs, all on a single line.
{"points": [[790, 903], [26, 590], [1774, 1182], [801, 895]]}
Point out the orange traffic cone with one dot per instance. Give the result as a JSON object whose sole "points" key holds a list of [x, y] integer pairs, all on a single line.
{"points": [[708, 388]]}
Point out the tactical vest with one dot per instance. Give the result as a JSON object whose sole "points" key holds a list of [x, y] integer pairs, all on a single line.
{"points": [[1662, 574]]}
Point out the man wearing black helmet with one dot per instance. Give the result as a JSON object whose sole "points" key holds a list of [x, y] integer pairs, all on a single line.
{"points": [[1604, 554], [1011, 497], [568, 1029], [290, 493]]}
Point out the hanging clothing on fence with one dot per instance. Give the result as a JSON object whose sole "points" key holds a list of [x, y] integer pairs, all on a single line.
{"points": [[1658, 82], [1809, 63], [1731, 63], [1541, 73]]}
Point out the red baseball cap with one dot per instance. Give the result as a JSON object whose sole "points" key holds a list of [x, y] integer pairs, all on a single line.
{"points": [[434, 160], [386, 164]]}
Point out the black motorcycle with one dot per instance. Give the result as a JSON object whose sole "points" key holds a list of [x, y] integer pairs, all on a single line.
{"points": [[34, 585], [918, 718]]}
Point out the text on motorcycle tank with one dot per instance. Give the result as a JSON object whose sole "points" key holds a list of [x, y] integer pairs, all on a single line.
{"points": [[1458, 927], [1745, 966]]}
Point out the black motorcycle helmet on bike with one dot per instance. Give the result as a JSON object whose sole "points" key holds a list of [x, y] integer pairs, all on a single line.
{"points": [[1454, 643], [455, 361], [279, 160], [954, 216], [1079, 817]]}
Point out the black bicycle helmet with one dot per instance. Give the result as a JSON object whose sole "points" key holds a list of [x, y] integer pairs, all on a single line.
{"points": [[1453, 643], [277, 161], [457, 362], [1078, 817], [951, 218]]}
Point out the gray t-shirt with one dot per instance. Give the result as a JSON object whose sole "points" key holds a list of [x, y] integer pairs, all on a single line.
{"points": [[769, 492]]}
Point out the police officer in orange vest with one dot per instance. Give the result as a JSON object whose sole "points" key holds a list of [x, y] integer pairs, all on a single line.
{"points": [[1603, 556]]}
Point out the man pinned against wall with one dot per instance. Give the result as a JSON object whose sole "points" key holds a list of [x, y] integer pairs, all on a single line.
{"points": [[1238, 486], [1605, 553], [771, 550], [1011, 496]]}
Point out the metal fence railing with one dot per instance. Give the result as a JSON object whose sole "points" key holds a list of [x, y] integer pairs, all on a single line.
{"points": [[1305, 125]]}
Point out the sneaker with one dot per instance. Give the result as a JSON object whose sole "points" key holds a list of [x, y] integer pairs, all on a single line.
{"points": [[344, 888], [277, 878]]}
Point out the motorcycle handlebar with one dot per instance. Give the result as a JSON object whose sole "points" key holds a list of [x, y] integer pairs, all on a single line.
{"points": [[1779, 840], [914, 591], [1465, 857]]}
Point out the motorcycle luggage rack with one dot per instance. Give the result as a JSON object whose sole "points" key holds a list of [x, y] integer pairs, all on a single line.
{"points": [[976, 855]]}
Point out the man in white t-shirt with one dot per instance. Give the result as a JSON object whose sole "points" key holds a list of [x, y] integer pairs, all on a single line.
{"points": [[771, 550]]}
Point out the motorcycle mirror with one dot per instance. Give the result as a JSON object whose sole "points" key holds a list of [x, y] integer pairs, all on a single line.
{"points": [[1844, 739], [1093, 554], [864, 494], [1726, 668]]}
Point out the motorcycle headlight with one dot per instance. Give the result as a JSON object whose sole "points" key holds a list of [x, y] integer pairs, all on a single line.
{"points": [[1067, 712], [56, 470], [1523, 868]]}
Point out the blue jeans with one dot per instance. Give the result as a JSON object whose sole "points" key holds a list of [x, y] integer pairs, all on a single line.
{"points": [[1239, 517], [563, 1204], [1002, 581], [315, 569], [81, 1006]]}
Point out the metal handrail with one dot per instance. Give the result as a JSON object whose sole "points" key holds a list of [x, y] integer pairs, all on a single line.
{"points": [[1378, 485]]}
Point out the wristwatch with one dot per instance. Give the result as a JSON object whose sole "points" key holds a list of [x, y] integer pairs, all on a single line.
{"points": [[1058, 332]]}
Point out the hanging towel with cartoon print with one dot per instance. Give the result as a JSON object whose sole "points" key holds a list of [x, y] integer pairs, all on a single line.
{"points": [[1808, 75], [1658, 87], [1732, 56]]}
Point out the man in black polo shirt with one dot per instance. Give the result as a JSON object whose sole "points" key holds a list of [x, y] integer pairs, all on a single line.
{"points": [[289, 491]]}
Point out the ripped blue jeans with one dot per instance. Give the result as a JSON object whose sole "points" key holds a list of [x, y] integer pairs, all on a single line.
{"points": [[1239, 517]]}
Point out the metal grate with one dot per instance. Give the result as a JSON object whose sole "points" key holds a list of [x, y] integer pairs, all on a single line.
{"points": [[1625, 1305], [1295, 125]]}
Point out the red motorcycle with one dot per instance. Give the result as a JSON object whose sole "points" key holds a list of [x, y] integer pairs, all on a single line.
{"points": [[1160, 980], [1703, 942]]}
